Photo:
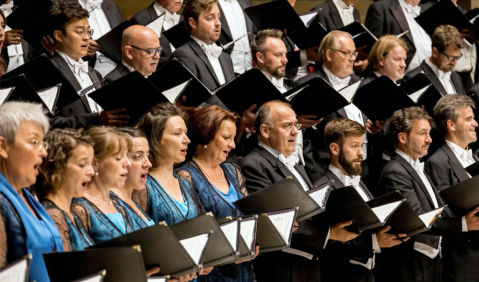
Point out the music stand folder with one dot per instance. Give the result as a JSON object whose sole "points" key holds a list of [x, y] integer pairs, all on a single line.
{"points": [[281, 195], [273, 231], [462, 197], [241, 247], [122, 264], [99, 277], [160, 247], [473, 169], [17, 271], [219, 249]]}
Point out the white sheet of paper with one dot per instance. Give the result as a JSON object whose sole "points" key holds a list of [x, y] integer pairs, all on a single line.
{"points": [[306, 18], [283, 223], [382, 212], [15, 273], [48, 96], [156, 25], [195, 246], [247, 233], [416, 95], [318, 196], [156, 279], [230, 229], [172, 93], [96, 278], [4, 93], [349, 91], [429, 216], [295, 93]]}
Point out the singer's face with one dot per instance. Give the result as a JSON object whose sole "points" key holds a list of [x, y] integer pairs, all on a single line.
{"points": [[141, 60], [394, 63], [171, 5], [208, 26]]}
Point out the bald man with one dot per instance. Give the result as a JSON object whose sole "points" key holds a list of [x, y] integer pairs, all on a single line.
{"points": [[140, 48]]}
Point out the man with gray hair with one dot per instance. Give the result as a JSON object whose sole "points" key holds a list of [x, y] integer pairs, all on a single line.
{"points": [[454, 118]]}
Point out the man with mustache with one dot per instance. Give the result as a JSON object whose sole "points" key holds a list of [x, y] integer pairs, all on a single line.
{"points": [[141, 51], [418, 259], [454, 117], [355, 259]]}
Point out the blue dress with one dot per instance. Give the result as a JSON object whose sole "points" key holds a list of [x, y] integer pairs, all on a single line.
{"points": [[137, 221], [96, 223], [74, 239], [24, 233], [220, 205]]}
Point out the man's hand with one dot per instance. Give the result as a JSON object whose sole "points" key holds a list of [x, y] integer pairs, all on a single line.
{"points": [[13, 36], [308, 120], [386, 240], [152, 271], [248, 119], [48, 44], [312, 53], [374, 128], [472, 220], [205, 271], [359, 66], [110, 118], [339, 233], [93, 47], [189, 110]]}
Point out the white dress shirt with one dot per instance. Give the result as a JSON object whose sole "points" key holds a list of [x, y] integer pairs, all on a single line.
{"points": [[468, 61], [80, 71], [352, 111], [241, 54], [444, 78], [100, 25], [422, 41], [169, 21], [15, 51], [464, 156], [345, 12], [302, 68], [213, 53], [354, 181]]}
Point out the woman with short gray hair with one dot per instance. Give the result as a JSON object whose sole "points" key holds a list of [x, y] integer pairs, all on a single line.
{"points": [[25, 226]]}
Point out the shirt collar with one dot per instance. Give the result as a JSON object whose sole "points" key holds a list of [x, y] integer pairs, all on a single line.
{"points": [[276, 82], [439, 73], [456, 148], [339, 174], [407, 158], [272, 151], [130, 68], [69, 59], [160, 10], [342, 5]]}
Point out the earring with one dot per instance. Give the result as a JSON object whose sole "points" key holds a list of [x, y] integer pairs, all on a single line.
{"points": [[205, 146], [96, 173]]}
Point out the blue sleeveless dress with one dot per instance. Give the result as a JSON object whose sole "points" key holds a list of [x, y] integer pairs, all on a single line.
{"points": [[137, 221]]}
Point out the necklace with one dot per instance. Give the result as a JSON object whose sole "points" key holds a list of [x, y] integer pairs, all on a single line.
{"points": [[203, 170], [108, 202]]}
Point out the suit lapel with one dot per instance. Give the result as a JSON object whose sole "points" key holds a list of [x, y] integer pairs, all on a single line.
{"points": [[398, 13], [197, 49], [356, 15], [224, 23], [105, 6], [433, 78], [165, 44], [456, 166], [333, 11], [366, 190], [456, 81], [303, 174], [228, 72], [339, 184]]}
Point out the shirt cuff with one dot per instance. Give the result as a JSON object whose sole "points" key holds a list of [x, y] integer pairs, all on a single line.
{"points": [[327, 238], [376, 247], [464, 224], [304, 58]]}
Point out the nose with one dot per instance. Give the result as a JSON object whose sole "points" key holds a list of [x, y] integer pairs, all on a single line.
{"points": [[428, 138], [43, 152], [127, 163], [232, 145], [147, 164], [157, 55], [403, 63], [2, 32], [217, 22], [361, 152], [90, 171], [474, 123], [284, 60], [186, 140]]}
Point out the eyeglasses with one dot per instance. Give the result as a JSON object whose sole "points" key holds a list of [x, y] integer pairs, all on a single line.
{"points": [[451, 58], [348, 55], [87, 33], [151, 52], [289, 127]]}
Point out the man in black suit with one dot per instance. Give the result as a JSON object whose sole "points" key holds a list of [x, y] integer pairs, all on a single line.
{"points": [[355, 259], [270, 161], [200, 54], [396, 17], [454, 117], [447, 44], [72, 33], [418, 259], [334, 14], [141, 51], [158, 7]]}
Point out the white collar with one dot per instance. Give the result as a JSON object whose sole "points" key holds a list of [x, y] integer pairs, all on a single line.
{"points": [[272, 151], [130, 68], [439, 73], [276, 82], [339, 174], [69, 59], [343, 5], [160, 10], [408, 158], [456, 148], [200, 42]]}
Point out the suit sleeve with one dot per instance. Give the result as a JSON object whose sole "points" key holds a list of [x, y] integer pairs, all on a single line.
{"points": [[186, 60], [256, 178], [439, 173], [374, 21]]}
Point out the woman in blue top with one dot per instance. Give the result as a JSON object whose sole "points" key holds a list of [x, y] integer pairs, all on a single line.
{"points": [[65, 174], [136, 178], [101, 218], [25, 226], [218, 184]]}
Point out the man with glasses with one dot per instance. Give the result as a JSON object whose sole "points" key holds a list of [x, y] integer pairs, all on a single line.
{"points": [[447, 44], [271, 161], [72, 34], [141, 51]]}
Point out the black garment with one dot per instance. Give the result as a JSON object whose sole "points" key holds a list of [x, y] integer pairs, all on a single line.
{"points": [[262, 169], [335, 260], [397, 263], [329, 16], [119, 71], [369, 78], [78, 114], [387, 17], [460, 258], [226, 36]]}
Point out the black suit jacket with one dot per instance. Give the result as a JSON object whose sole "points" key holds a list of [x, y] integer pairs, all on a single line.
{"points": [[335, 265], [77, 114], [192, 56], [262, 169], [387, 17], [225, 35], [119, 71], [329, 16], [424, 67]]}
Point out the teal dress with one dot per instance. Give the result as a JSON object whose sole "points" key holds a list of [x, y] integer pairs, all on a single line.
{"points": [[137, 221]]}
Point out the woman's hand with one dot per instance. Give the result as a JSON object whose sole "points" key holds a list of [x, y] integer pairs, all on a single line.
{"points": [[205, 271], [256, 253]]}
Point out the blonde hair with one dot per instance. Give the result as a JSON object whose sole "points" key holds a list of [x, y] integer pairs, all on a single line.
{"points": [[382, 47], [108, 141]]}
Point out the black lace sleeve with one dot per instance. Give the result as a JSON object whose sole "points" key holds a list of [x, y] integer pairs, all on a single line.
{"points": [[241, 179], [83, 215], [141, 198], [3, 238], [184, 174], [59, 218]]}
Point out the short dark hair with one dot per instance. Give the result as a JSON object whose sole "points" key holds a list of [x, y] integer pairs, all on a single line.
{"points": [[153, 124], [402, 120], [258, 44], [447, 36], [446, 109], [62, 12], [337, 130], [193, 9]]}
